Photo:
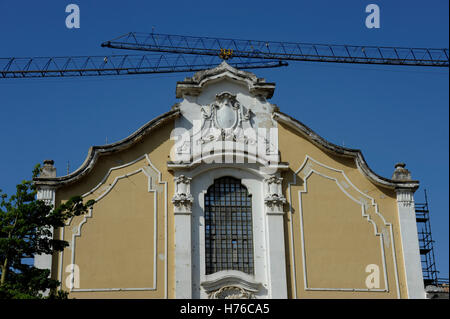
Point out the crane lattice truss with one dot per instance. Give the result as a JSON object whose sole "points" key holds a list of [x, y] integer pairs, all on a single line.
{"points": [[116, 65], [178, 53], [286, 51]]}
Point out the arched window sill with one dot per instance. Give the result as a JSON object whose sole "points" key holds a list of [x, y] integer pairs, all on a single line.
{"points": [[230, 278]]}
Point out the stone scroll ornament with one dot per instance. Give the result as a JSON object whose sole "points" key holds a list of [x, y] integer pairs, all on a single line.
{"points": [[274, 196], [182, 197], [227, 125], [225, 120], [231, 292]]}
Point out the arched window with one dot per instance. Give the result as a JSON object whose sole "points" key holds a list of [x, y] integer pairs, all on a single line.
{"points": [[228, 227]]}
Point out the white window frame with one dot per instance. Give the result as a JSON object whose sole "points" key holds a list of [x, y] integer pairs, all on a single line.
{"points": [[269, 278]]}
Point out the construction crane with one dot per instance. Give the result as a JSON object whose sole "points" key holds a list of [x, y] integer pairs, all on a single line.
{"points": [[283, 51], [178, 53], [114, 65]]}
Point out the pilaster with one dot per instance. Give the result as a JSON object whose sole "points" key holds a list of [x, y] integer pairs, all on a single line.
{"points": [[408, 230], [274, 201], [182, 201], [46, 194]]}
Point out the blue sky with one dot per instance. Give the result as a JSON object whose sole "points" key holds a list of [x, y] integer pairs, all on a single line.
{"points": [[391, 113]]}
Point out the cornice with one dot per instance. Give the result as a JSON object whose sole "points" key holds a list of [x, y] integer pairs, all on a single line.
{"points": [[345, 152], [193, 86], [96, 151]]}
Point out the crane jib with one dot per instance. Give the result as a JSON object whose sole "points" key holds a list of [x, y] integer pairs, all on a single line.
{"points": [[283, 51], [177, 53]]}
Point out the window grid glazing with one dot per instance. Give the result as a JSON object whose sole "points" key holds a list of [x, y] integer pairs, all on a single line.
{"points": [[228, 227]]}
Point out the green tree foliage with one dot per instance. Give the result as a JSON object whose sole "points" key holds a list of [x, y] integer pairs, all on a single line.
{"points": [[25, 231]]}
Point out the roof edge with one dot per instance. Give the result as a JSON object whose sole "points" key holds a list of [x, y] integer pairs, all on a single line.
{"points": [[345, 152], [96, 151], [194, 85]]}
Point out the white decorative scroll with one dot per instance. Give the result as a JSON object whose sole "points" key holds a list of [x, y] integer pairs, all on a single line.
{"points": [[225, 127], [46, 194], [182, 199], [225, 120], [405, 198], [274, 198], [231, 284], [231, 292]]}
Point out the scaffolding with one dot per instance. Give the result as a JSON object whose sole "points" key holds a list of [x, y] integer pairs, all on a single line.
{"points": [[426, 245]]}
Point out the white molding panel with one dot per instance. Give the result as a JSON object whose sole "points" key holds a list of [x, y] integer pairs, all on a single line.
{"points": [[152, 174], [306, 169]]}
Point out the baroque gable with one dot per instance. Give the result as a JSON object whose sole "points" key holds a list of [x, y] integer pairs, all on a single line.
{"points": [[224, 111], [225, 159]]}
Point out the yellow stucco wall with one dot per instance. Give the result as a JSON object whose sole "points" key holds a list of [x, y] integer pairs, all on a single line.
{"points": [[330, 236], [114, 246], [328, 259]]}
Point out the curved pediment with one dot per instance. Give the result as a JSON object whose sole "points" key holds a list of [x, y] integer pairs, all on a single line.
{"points": [[96, 151], [345, 152], [227, 119], [194, 86]]}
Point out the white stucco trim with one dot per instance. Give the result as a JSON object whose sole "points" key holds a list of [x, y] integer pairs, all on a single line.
{"points": [[44, 261], [268, 233], [182, 201], [363, 201], [46, 194], [202, 178], [277, 257], [410, 244], [234, 278], [183, 257], [274, 209]]}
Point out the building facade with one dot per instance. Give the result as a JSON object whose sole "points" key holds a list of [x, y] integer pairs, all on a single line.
{"points": [[225, 196]]}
